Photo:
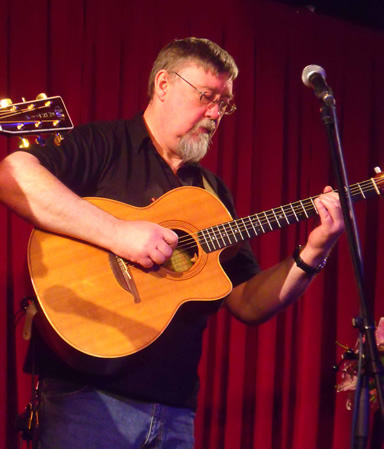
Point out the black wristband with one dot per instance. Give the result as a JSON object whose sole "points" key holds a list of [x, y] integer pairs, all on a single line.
{"points": [[312, 271]]}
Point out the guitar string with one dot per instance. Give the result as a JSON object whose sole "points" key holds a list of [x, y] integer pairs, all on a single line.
{"points": [[264, 219], [31, 122], [22, 111], [188, 242]]}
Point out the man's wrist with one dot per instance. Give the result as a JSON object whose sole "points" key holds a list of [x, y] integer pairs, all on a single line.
{"points": [[309, 269]]}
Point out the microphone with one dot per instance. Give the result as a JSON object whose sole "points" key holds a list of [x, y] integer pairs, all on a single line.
{"points": [[313, 76]]}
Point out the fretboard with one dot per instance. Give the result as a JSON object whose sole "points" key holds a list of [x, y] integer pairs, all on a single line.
{"points": [[232, 232]]}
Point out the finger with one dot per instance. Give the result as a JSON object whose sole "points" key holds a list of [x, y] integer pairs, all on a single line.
{"points": [[330, 198], [330, 212], [327, 189], [170, 237], [328, 208], [145, 262], [332, 203], [165, 249], [157, 256], [322, 210]]}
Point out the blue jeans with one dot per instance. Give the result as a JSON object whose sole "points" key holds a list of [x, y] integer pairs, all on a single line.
{"points": [[73, 417]]}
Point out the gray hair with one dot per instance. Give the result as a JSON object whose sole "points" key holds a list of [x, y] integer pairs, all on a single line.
{"points": [[191, 49]]}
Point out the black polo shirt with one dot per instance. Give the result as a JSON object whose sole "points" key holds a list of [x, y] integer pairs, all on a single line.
{"points": [[117, 160]]}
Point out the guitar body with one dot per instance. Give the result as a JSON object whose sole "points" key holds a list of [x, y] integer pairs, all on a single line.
{"points": [[90, 316]]}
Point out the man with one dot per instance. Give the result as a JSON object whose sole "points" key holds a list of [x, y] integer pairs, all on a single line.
{"points": [[151, 401]]}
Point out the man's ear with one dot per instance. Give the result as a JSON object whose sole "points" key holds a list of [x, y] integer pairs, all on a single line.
{"points": [[161, 84]]}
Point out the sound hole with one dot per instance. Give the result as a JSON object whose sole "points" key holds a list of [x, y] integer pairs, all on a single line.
{"points": [[185, 254]]}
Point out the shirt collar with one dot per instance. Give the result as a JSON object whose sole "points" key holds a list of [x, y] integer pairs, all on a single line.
{"points": [[141, 140]]}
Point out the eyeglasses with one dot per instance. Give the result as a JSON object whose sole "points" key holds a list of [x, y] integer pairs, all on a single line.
{"points": [[226, 107]]}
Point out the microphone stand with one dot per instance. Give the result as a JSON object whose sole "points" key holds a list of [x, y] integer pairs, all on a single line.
{"points": [[369, 364]]}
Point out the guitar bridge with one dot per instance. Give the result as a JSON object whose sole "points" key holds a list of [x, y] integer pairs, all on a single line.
{"points": [[123, 276]]}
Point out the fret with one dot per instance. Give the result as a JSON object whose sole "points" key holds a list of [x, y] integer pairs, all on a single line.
{"points": [[253, 227], [281, 216], [209, 239], [219, 237], [261, 226], [361, 190], [245, 227], [277, 220], [202, 232], [269, 224], [212, 237], [238, 229], [294, 213], [231, 233], [314, 206], [234, 231], [285, 216], [375, 186], [305, 212], [226, 235]]}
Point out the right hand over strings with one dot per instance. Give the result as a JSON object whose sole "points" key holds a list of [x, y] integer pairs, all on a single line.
{"points": [[143, 242]]}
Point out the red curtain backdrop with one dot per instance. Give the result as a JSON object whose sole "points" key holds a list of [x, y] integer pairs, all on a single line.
{"points": [[271, 386]]}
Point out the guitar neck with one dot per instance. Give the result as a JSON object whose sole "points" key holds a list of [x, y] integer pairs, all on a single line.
{"points": [[235, 231]]}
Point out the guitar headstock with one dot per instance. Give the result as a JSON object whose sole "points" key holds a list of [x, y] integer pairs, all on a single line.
{"points": [[379, 179], [41, 116]]}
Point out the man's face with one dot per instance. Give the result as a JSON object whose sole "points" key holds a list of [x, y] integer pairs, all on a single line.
{"points": [[191, 122]]}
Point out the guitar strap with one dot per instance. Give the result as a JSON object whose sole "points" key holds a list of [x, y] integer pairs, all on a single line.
{"points": [[231, 251], [208, 187]]}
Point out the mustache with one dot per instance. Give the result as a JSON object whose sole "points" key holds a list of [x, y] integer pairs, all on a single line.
{"points": [[207, 124]]}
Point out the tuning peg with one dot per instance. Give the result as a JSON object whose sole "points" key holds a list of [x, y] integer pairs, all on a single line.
{"points": [[40, 141], [58, 139], [5, 102], [377, 170], [24, 143], [43, 96]]}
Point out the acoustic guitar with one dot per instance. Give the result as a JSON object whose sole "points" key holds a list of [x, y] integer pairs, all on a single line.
{"points": [[97, 308]]}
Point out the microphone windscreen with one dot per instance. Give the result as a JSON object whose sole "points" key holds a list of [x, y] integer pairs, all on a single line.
{"points": [[309, 71]]}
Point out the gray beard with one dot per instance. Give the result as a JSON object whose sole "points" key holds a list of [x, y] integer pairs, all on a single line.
{"points": [[193, 147]]}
